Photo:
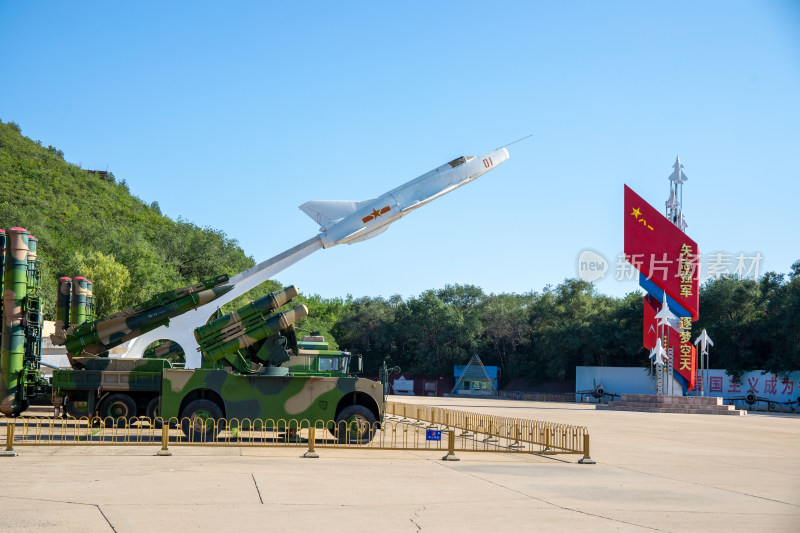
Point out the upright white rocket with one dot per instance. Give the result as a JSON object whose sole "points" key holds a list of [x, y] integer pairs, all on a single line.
{"points": [[348, 222]]}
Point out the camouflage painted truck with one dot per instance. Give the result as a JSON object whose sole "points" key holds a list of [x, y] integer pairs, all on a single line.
{"points": [[254, 374]]}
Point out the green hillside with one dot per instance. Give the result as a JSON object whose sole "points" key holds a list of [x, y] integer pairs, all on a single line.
{"points": [[89, 224]]}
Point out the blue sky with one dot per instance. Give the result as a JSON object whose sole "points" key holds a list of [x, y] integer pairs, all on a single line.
{"points": [[231, 115]]}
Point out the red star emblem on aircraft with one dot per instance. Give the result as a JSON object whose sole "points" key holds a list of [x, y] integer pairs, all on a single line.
{"points": [[376, 213]]}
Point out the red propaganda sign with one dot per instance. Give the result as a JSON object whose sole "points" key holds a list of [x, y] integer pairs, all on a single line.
{"points": [[662, 252]]}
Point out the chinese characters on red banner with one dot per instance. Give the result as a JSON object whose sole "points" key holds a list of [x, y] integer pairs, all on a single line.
{"points": [[686, 270]]}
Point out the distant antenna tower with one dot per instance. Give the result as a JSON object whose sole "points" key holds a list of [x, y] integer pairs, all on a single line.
{"points": [[675, 201]]}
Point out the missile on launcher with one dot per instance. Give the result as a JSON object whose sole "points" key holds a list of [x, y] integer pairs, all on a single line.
{"points": [[262, 306], [96, 338], [232, 345]]}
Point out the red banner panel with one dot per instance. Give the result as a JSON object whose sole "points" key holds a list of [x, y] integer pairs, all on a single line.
{"points": [[662, 252]]}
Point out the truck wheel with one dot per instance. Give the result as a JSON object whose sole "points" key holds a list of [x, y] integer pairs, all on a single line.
{"points": [[355, 425], [117, 410], [201, 421], [77, 407], [153, 411]]}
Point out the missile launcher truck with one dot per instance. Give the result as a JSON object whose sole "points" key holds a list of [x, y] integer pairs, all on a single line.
{"points": [[254, 374], [253, 370]]}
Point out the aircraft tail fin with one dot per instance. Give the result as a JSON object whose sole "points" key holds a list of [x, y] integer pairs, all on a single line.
{"points": [[323, 212]]}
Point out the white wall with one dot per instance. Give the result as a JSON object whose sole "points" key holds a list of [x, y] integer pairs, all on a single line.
{"points": [[635, 380], [617, 380]]}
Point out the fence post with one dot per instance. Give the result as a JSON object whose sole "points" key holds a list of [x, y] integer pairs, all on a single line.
{"points": [[451, 447], [432, 418], [9, 451], [164, 451], [516, 443], [491, 437], [311, 454], [586, 460]]}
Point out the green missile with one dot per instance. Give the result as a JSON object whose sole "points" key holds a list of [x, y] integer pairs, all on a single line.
{"points": [[249, 336], [77, 306], [161, 299], [104, 334], [167, 297], [262, 306], [58, 337], [62, 302], [12, 348], [32, 245]]}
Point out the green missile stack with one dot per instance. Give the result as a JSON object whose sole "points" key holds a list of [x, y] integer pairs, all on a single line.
{"points": [[232, 346], [97, 337], [231, 336], [15, 289], [264, 306]]}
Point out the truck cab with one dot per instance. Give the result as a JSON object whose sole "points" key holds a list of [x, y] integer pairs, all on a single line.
{"points": [[315, 358]]}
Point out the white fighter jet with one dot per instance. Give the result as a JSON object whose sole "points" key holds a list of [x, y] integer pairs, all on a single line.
{"points": [[348, 222]]}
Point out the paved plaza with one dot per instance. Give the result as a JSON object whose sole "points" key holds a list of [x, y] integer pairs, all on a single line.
{"points": [[654, 472]]}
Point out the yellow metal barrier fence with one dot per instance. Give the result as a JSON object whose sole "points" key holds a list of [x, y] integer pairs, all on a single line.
{"points": [[405, 427], [518, 433]]}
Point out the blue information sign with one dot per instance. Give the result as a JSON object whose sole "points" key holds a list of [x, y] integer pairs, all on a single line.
{"points": [[433, 434]]}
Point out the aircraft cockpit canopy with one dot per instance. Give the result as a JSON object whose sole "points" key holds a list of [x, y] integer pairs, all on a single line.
{"points": [[460, 160]]}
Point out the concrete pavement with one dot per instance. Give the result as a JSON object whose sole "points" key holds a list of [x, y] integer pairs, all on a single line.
{"points": [[654, 472]]}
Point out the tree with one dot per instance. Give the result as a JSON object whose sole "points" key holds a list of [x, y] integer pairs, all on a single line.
{"points": [[506, 335], [783, 325], [369, 326], [110, 280]]}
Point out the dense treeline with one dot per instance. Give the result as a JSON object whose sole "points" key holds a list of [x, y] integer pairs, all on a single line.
{"points": [[536, 336], [93, 226]]}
